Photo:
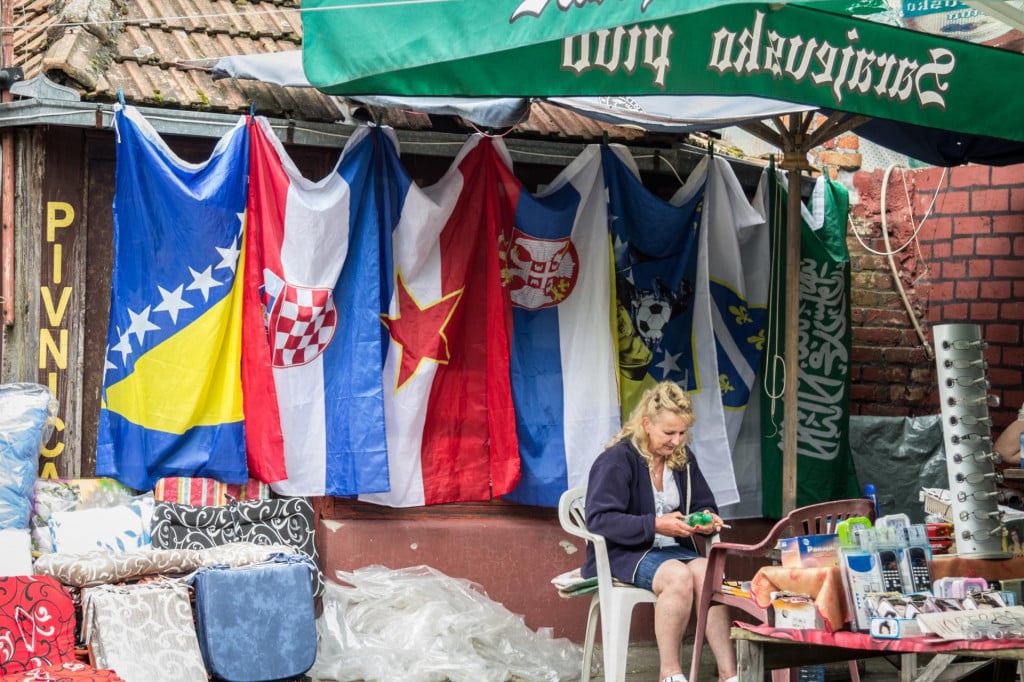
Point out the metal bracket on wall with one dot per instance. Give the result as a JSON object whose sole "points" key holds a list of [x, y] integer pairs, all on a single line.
{"points": [[9, 76]]}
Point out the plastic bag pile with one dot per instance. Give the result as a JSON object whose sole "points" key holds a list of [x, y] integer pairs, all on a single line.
{"points": [[27, 414], [419, 625]]}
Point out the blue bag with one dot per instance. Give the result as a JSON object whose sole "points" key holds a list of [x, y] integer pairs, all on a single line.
{"points": [[257, 623]]}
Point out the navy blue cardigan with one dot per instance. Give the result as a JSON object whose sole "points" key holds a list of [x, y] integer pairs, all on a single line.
{"points": [[620, 506]]}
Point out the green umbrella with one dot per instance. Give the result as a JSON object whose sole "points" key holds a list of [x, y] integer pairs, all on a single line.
{"points": [[799, 53], [815, 54]]}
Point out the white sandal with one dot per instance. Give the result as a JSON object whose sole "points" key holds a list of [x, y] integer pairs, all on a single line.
{"points": [[678, 677]]}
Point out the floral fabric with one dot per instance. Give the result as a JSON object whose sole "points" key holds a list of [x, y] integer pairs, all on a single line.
{"points": [[122, 622], [101, 567], [37, 623]]}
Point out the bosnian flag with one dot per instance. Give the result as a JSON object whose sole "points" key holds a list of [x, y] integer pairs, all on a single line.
{"points": [[172, 395], [558, 269], [450, 423], [313, 339], [738, 276]]}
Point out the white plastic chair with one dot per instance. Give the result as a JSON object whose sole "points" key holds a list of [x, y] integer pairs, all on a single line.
{"points": [[615, 601]]}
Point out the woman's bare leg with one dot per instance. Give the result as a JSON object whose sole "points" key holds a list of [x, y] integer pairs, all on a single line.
{"points": [[673, 584], [718, 623]]}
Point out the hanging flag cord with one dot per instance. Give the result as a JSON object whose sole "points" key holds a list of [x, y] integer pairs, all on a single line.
{"points": [[113, 121], [774, 388]]}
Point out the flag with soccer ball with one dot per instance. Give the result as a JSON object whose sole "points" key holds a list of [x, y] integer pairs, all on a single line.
{"points": [[663, 300], [656, 247]]}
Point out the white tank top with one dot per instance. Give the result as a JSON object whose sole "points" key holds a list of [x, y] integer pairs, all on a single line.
{"points": [[664, 503]]}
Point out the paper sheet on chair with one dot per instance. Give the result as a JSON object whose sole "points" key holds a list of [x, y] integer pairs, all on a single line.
{"points": [[573, 584]]}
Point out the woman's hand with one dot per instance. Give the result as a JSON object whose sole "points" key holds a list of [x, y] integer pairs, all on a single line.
{"points": [[711, 528], [716, 524], [674, 525]]}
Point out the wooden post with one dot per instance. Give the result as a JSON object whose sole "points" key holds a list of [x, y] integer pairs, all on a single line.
{"points": [[794, 162], [7, 178], [749, 660]]}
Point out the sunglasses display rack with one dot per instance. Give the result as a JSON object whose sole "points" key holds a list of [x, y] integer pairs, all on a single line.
{"points": [[967, 434]]}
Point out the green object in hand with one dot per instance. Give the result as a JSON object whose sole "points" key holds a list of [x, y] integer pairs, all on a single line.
{"points": [[698, 519]]}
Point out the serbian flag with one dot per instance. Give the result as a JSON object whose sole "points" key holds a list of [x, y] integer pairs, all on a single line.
{"points": [[172, 394], [558, 264], [448, 399], [313, 338]]}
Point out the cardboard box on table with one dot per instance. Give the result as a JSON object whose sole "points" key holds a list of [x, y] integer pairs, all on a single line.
{"points": [[795, 611], [810, 551]]}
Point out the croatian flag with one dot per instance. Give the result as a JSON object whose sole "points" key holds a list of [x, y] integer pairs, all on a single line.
{"points": [[450, 423], [172, 394], [558, 260], [313, 337]]}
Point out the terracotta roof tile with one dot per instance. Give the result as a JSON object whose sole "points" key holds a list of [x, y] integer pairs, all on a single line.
{"points": [[159, 53]]}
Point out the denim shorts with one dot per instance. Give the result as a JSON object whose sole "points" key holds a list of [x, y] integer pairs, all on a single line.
{"points": [[649, 565]]}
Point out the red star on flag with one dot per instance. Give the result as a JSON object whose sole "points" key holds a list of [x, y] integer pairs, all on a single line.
{"points": [[420, 330]]}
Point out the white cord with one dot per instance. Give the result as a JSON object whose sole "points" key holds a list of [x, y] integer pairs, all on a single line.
{"points": [[910, 210], [772, 327], [890, 254]]}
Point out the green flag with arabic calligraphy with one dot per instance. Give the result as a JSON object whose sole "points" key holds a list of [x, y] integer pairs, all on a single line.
{"points": [[825, 468]]}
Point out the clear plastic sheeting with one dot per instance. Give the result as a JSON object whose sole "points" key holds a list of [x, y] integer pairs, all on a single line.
{"points": [[420, 625], [899, 456], [27, 413]]}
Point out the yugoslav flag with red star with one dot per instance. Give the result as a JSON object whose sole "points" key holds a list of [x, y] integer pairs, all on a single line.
{"points": [[451, 429], [313, 342]]}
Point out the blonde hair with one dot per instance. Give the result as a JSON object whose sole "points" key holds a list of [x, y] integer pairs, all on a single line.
{"points": [[667, 396]]}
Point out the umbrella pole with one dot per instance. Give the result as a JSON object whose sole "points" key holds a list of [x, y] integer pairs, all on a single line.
{"points": [[790, 134], [792, 338], [796, 144]]}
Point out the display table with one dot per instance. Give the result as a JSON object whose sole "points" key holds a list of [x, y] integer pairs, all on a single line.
{"points": [[825, 585], [763, 647], [953, 566]]}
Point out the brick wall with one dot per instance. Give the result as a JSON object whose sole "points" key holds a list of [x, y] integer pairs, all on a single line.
{"points": [[965, 265]]}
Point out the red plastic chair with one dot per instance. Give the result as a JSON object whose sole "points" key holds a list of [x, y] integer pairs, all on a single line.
{"points": [[815, 519]]}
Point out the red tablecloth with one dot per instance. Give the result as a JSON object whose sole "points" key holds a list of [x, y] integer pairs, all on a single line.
{"points": [[861, 640], [823, 584]]}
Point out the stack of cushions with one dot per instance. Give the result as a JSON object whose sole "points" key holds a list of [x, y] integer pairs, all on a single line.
{"points": [[287, 521], [92, 531], [85, 515], [26, 420]]}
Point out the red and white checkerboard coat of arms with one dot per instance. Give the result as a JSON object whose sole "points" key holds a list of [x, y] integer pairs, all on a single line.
{"points": [[302, 324], [541, 272]]}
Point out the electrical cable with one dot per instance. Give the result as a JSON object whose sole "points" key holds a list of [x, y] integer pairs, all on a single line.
{"points": [[890, 254]]}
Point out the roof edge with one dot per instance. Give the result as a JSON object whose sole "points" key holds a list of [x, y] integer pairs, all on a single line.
{"points": [[100, 116]]}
